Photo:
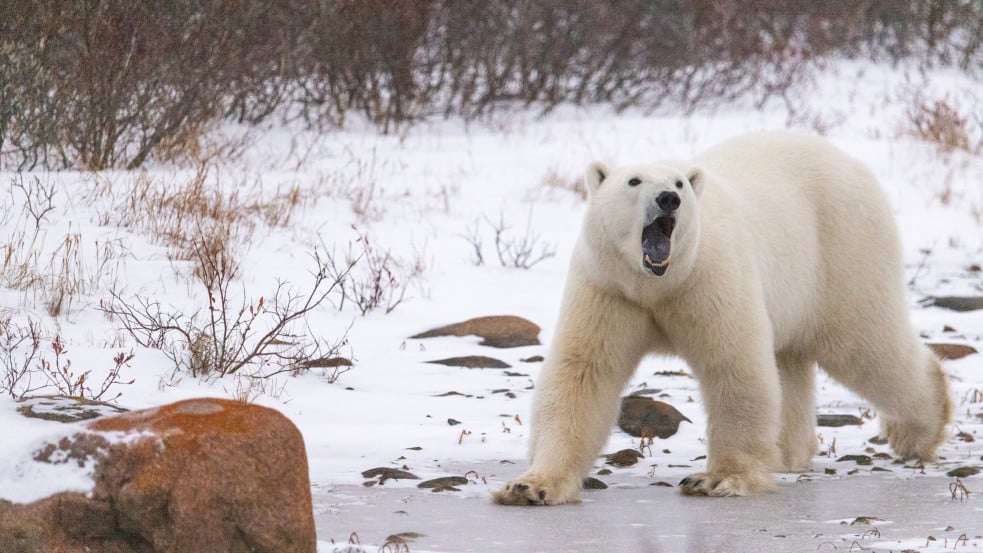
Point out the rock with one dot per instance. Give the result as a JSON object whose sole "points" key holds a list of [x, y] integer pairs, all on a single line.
{"points": [[957, 303], [624, 458], [835, 420], [386, 473], [642, 416], [591, 483], [473, 362], [963, 472], [326, 362], [500, 331], [859, 459], [65, 409], [878, 440], [952, 351], [444, 482], [533, 359], [203, 475]]}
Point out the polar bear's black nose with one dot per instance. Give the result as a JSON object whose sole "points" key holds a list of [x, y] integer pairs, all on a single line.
{"points": [[668, 201]]}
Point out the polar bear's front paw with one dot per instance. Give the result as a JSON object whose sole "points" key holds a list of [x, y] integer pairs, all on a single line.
{"points": [[726, 485], [532, 489]]}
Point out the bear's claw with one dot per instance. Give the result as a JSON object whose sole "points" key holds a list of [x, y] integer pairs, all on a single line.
{"points": [[725, 485], [533, 490]]}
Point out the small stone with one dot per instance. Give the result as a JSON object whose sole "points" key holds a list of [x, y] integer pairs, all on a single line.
{"points": [[591, 483], [859, 459], [963, 472], [604, 472], [952, 351], [646, 392], [387, 473], [472, 362], [65, 409], [453, 422], [836, 420], [957, 303], [445, 481], [326, 362], [624, 458], [453, 393], [533, 359]]}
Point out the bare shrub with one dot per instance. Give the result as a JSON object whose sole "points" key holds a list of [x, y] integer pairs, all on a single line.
{"points": [[27, 369], [942, 122], [106, 84], [20, 348], [514, 250], [110, 84], [371, 277], [232, 333]]}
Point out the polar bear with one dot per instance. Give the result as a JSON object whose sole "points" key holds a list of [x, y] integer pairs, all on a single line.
{"points": [[761, 258]]}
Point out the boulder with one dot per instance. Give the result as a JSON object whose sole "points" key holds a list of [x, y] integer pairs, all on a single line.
{"points": [[65, 409], [473, 362], [499, 331], [203, 475], [952, 351], [643, 416]]}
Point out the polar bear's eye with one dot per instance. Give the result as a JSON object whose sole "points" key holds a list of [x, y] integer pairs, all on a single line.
{"points": [[679, 184], [634, 181]]}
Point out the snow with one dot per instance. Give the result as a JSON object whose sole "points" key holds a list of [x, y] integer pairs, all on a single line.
{"points": [[418, 194]]}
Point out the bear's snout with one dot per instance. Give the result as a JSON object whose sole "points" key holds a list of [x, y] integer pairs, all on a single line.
{"points": [[668, 201]]}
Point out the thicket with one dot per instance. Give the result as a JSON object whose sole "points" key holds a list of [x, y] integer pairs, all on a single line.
{"points": [[98, 84]]}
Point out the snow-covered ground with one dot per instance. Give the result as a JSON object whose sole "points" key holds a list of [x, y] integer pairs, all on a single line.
{"points": [[428, 195]]}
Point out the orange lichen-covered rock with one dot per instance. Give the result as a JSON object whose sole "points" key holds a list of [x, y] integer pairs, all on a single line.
{"points": [[203, 475]]}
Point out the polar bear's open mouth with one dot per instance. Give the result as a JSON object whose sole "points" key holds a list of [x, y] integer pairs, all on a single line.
{"points": [[656, 244]]}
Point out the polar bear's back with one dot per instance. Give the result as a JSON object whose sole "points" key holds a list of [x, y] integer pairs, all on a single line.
{"points": [[823, 234]]}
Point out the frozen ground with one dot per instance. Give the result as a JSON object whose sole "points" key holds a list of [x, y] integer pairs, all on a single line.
{"points": [[870, 513], [419, 195]]}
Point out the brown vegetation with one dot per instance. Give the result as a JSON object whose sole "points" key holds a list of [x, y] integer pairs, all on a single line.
{"points": [[100, 84]]}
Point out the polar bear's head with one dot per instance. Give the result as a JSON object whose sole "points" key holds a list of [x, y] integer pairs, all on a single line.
{"points": [[648, 213]]}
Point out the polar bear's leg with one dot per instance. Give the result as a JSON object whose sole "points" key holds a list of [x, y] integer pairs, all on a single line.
{"points": [[742, 409], [598, 343], [905, 382], [797, 440]]}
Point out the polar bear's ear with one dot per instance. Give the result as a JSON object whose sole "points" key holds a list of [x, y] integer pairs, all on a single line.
{"points": [[696, 178], [596, 173]]}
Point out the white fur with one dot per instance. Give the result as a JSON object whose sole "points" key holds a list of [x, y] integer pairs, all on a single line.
{"points": [[784, 255]]}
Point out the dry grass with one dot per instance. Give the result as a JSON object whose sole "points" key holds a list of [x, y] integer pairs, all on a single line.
{"points": [[554, 180], [54, 276], [943, 122]]}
